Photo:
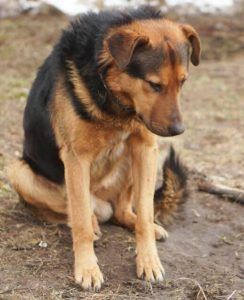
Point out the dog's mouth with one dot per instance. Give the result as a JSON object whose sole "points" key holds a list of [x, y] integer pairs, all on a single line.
{"points": [[154, 127]]}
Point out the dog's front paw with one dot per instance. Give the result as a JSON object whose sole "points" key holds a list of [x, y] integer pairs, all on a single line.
{"points": [[88, 274], [149, 267], [160, 232]]}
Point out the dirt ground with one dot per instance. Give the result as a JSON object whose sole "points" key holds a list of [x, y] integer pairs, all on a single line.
{"points": [[203, 257]]}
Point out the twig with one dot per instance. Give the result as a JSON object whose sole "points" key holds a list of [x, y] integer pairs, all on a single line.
{"points": [[234, 194], [231, 295], [197, 283]]}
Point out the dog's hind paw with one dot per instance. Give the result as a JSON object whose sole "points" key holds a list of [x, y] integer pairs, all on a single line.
{"points": [[160, 232]]}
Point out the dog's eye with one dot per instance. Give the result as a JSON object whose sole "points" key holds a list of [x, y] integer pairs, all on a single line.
{"points": [[182, 81], [157, 87]]}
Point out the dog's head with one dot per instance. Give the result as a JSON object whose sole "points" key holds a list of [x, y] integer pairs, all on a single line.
{"points": [[148, 65]]}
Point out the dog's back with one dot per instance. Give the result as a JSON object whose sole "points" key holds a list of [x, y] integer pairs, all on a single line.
{"points": [[40, 149]]}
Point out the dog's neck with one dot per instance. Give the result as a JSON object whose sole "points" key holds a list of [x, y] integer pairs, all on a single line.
{"points": [[120, 108]]}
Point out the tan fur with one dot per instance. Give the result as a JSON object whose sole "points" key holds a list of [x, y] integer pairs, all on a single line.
{"points": [[35, 189], [137, 93], [108, 160], [83, 93]]}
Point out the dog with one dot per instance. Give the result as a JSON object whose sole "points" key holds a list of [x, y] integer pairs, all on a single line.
{"points": [[110, 86]]}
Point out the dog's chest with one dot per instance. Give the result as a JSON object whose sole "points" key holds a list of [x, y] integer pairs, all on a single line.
{"points": [[107, 168]]}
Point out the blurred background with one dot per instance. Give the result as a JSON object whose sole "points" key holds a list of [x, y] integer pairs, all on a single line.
{"points": [[205, 246]]}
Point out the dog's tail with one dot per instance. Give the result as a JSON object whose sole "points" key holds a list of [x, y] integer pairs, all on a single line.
{"points": [[168, 199]]}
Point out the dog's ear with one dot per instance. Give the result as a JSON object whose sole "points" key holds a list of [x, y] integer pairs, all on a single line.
{"points": [[122, 45], [194, 40]]}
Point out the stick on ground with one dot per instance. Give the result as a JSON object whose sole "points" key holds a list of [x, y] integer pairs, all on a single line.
{"points": [[236, 195]]}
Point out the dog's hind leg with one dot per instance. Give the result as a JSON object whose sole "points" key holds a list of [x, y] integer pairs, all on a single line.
{"points": [[37, 190], [123, 212], [125, 216]]}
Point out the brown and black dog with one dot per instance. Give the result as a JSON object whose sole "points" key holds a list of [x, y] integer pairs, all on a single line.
{"points": [[110, 85]]}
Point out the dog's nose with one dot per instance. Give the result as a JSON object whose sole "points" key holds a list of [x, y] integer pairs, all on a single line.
{"points": [[176, 129]]}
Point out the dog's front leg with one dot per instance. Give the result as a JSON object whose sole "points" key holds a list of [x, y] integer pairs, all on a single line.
{"points": [[144, 154], [77, 178]]}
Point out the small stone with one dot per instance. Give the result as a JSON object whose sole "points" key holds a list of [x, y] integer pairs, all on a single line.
{"points": [[17, 153], [42, 244]]}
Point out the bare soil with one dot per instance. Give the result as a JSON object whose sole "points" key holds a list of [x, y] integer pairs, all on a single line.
{"points": [[203, 257]]}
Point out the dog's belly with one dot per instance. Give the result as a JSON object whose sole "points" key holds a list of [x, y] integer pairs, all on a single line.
{"points": [[111, 168]]}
